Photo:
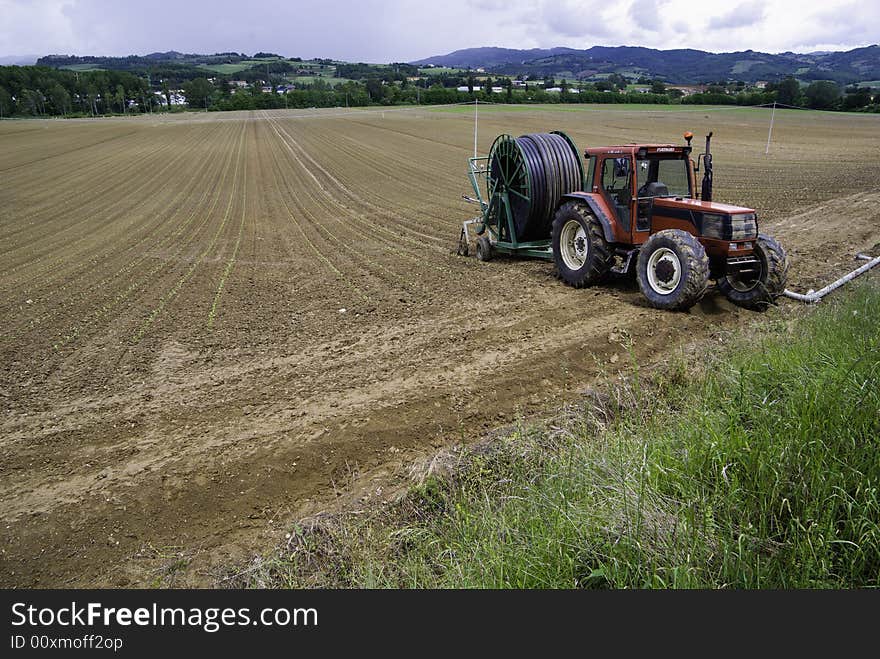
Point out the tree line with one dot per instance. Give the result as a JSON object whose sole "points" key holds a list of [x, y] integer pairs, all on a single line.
{"points": [[44, 91]]}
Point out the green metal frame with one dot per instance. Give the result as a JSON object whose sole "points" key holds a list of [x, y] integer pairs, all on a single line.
{"points": [[497, 214]]}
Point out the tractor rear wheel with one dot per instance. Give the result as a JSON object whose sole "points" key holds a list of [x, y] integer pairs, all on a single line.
{"points": [[761, 290], [484, 248], [672, 270], [579, 248]]}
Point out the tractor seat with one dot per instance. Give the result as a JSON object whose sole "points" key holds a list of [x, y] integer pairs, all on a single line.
{"points": [[654, 189]]}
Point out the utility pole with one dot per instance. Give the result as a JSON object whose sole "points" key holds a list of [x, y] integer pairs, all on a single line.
{"points": [[770, 131], [476, 114]]}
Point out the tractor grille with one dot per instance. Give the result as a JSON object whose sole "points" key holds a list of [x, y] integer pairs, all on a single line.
{"points": [[729, 227]]}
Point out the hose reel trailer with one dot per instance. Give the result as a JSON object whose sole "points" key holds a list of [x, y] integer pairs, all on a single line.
{"points": [[523, 180]]}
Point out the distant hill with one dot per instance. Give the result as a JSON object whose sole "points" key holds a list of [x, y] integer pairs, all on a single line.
{"points": [[678, 66], [18, 60], [137, 62]]}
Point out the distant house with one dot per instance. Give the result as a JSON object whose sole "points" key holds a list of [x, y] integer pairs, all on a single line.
{"points": [[266, 89], [761, 84], [464, 88], [177, 98], [238, 83], [554, 90], [497, 90]]}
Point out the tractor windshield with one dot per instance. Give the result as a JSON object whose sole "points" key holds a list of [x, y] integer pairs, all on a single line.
{"points": [[663, 177]]}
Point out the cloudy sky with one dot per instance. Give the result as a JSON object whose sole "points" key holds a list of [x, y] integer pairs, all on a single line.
{"points": [[400, 30]]}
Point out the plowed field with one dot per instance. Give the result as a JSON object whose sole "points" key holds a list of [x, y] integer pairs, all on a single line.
{"points": [[212, 324]]}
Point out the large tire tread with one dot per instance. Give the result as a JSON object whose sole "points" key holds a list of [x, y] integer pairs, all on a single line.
{"points": [[599, 257], [695, 270], [763, 296]]}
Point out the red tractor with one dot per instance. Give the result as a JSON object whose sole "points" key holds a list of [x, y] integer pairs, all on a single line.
{"points": [[634, 205]]}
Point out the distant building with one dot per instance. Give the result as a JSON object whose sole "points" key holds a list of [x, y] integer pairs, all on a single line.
{"points": [[238, 83], [464, 88], [177, 98], [687, 90]]}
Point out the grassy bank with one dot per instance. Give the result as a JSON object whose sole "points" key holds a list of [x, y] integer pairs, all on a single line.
{"points": [[756, 466]]}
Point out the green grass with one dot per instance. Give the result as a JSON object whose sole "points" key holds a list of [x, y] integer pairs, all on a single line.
{"points": [[82, 67], [312, 79], [225, 69], [756, 466], [228, 69], [438, 70]]}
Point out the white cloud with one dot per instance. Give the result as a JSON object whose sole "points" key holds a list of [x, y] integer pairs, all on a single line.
{"points": [[743, 15], [375, 30], [647, 14]]}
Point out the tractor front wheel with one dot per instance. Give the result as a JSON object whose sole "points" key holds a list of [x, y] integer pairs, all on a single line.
{"points": [[759, 290], [579, 248], [672, 270]]}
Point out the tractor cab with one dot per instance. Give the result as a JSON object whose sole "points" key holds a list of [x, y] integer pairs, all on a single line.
{"points": [[631, 178]]}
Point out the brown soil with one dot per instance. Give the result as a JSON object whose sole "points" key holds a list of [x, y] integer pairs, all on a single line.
{"points": [[211, 325]]}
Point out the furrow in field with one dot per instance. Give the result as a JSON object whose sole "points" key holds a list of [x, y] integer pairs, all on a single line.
{"points": [[86, 214], [407, 231], [173, 292], [399, 199], [364, 248], [104, 295], [303, 206], [152, 217], [389, 238]]}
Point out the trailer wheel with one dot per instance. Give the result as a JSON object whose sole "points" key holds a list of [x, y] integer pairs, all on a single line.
{"points": [[484, 248], [579, 249], [672, 270], [463, 249], [759, 292]]}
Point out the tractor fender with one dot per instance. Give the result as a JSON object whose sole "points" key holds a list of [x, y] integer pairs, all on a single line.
{"points": [[598, 209]]}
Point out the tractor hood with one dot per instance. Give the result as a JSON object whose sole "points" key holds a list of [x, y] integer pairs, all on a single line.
{"points": [[697, 206], [714, 221]]}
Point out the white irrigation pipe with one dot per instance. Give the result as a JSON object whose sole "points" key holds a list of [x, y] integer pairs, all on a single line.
{"points": [[814, 296]]}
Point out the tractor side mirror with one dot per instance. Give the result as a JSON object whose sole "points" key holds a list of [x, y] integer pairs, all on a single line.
{"points": [[621, 167]]}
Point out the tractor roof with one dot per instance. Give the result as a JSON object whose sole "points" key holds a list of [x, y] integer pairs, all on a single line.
{"points": [[626, 149]]}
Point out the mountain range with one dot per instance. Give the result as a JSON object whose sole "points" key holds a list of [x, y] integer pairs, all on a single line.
{"points": [[683, 66]]}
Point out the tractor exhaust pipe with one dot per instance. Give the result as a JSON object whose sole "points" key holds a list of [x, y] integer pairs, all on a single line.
{"points": [[706, 193], [814, 296]]}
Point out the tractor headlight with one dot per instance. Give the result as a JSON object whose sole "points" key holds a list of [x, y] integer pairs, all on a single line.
{"points": [[743, 226], [713, 226]]}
